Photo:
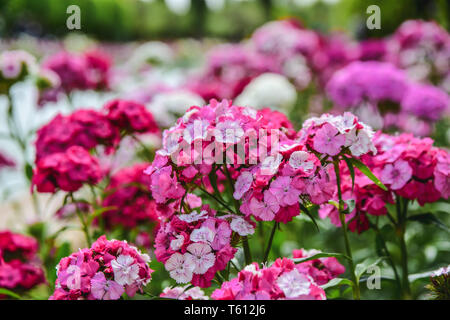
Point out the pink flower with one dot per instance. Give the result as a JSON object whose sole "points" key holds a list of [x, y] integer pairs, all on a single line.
{"points": [[243, 184], [200, 256], [241, 226], [283, 191], [294, 284], [103, 289], [397, 174], [299, 159], [266, 209], [180, 268], [125, 270], [328, 140]]}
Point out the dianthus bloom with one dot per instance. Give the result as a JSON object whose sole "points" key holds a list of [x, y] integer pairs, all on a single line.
{"points": [[180, 293], [412, 167], [322, 270], [15, 65], [105, 271], [128, 192], [20, 268], [194, 246], [67, 171], [130, 116], [91, 70], [281, 281], [85, 128], [425, 101], [333, 135]]}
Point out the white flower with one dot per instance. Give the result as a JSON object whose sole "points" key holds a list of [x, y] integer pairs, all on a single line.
{"points": [[242, 185], [198, 130], [242, 227], [228, 132], [268, 90], [179, 269], [252, 268], [193, 216], [126, 272], [271, 164], [203, 234], [200, 256], [294, 284], [177, 243], [299, 159]]}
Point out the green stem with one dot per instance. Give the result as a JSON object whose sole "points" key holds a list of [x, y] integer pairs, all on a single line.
{"points": [[401, 229], [247, 253], [85, 227], [348, 250], [269, 245]]}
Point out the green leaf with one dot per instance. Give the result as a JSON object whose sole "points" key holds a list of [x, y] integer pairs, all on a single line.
{"points": [[9, 293], [429, 218], [321, 255], [306, 211], [351, 169], [28, 171], [98, 212], [364, 169], [337, 282], [361, 268]]}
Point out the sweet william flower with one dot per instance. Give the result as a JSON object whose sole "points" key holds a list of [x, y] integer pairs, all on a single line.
{"points": [[328, 140], [103, 289], [180, 268], [265, 209], [396, 174], [282, 189], [293, 284], [125, 270], [200, 256]]}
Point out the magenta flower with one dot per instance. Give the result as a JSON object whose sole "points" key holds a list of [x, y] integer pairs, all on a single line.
{"points": [[286, 194], [396, 174], [103, 289], [266, 209], [328, 140]]}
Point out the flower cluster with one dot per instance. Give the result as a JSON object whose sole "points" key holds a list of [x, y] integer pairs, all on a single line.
{"points": [[333, 135], [281, 281], [66, 171], [128, 192], [412, 167], [105, 271], [19, 265], [194, 246], [15, 65], [321, 270], [86, 128], [180, 293], [91, 70]]}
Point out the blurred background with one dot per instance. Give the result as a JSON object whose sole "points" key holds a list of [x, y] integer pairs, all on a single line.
{"points": [[130, 20]]}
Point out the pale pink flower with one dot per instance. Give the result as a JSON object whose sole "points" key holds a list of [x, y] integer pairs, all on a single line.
{"points": [[286, 194], [228, 132], [179, 268], [193, 216], [270, 164], [328, 140], [294, 284], [242, 227], [177, 243], [200, 256], [203, 234], [299, 159], [126, 271], [243, 184], [103, 289], [265, 209], [396, 174]]}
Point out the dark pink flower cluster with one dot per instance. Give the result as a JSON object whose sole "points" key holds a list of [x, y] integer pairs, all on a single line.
{"points": [[105, 271], [66, 171], [19, 264], [229, 69], [368, 197], [91, 70], [283, 280], [85, 128], [412, 167], [128, 192], [194, 246], [130, 116], [321, 270]]}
